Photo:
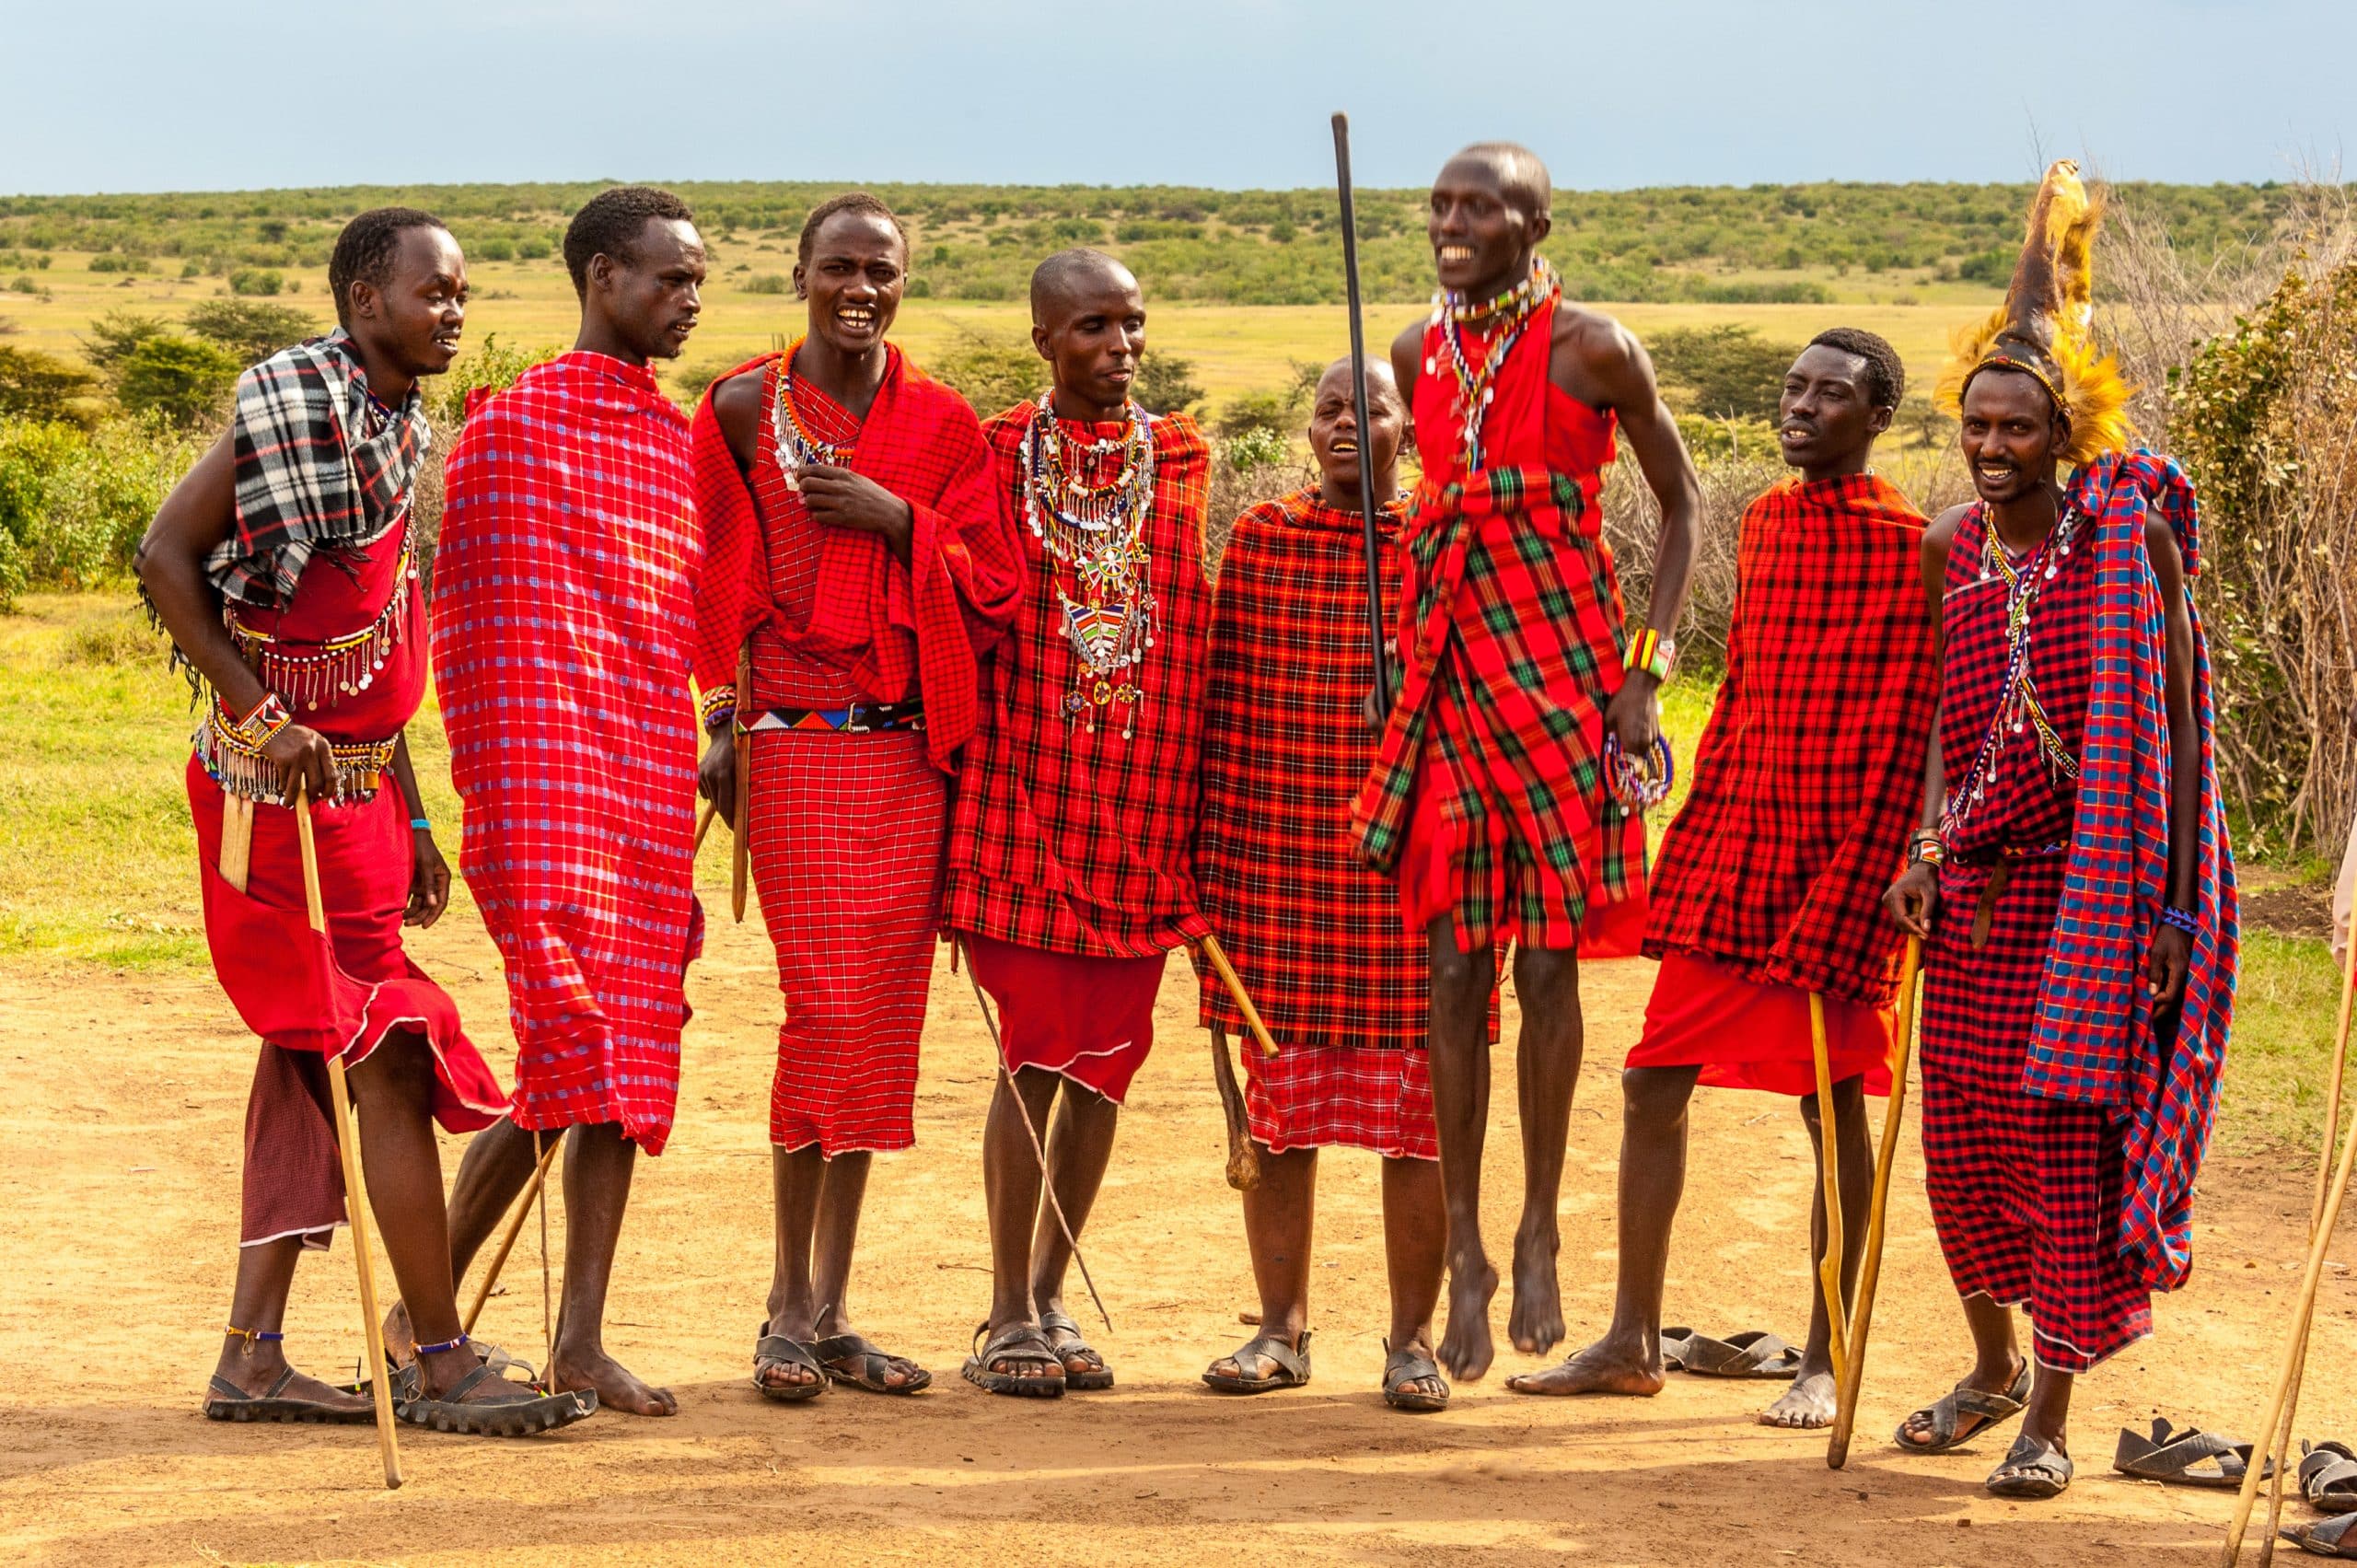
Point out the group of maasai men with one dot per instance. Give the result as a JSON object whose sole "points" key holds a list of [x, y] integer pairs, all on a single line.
{"points": [[975, 681]]}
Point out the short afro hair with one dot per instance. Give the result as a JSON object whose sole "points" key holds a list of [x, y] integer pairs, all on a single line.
{"points": [[858, 202], [609, 223], [1886, 376], [365, 250]]}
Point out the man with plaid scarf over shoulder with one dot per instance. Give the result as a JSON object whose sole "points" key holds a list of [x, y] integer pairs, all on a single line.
{"points": [[1770, 877]]}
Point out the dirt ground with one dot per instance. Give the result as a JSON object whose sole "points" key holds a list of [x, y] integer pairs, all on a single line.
{"points": [[118, 1203]]}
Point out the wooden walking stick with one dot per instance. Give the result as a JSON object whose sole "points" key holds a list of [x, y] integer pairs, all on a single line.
{"points": [[1243, 1158], [1862, 1313], [1371, 539], [703, 825], [1227, 977], [740, 857], [507, 1237], [1829, 1268], [2322, 1219], [355, 1188]]}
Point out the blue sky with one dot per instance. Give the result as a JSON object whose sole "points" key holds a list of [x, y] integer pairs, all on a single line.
{"points": [[144, 94]]}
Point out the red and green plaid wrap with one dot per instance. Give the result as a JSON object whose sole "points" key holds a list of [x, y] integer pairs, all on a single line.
{"points": [[1807, 777]]}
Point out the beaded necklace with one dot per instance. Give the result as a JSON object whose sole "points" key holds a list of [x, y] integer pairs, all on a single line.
{"points": [[2019, 711], [1477, 385], [1095, 534], [796, 448]]}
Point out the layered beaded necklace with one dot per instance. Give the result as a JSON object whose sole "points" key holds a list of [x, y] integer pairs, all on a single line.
{"points": [[1094, 533], [2019, 711], [796, 448], [1477, 384]]}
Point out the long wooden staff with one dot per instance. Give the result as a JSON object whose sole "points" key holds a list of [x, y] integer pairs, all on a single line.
{"points": [[1829, 1268], [507, 1237], [355, 1187], [1243, 1158], [740, 856], [1374, 623], [1861, 1316], [1227, 977], [2322, 1218]]}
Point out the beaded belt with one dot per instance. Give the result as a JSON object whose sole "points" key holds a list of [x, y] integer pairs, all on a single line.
{"points": [[860, 718], [241, 769]]}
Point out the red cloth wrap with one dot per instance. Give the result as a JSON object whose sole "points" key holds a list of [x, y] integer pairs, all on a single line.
{"points": [[837, 599], [1083, 841], [1085, 1017], [1809, 773], [563, 617], [335, 597], [1748, 1034]]}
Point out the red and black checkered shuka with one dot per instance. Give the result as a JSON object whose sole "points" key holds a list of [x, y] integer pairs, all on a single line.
{"points": [[1808, 775], [2026, 1191], [834, 617], [562, 621], [1071, 840], [1511, 630]]}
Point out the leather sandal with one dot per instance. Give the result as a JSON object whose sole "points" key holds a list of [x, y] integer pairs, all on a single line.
{"points": [[1291, 1364]]}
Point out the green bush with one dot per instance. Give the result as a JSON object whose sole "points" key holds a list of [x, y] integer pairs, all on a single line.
{"points": [[250, 330], [991, 373], [184, 381], [256, 281], [767, 283], [492, 250], [113, 263], [1276, 413], [1721, 372], [74, 503], [490, 368], [34, 385], [1254, 448], [116, 335], [534, 249], [1166, 384]]}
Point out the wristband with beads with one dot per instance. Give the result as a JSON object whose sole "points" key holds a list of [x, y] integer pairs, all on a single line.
{"points": [[1652, 653]]}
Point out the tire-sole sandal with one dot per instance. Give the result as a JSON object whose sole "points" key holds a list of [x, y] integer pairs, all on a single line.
{"points": [[1026, 1346], [229, 1403], [1753, 1355], [2032, 1471], [2183, 1456], [850, 1358], [1291, 1364], [1403, 1369], [1673, 1347], [2327, 1476], [1098, 1377], [1943, 1415], [777, 1348], [527, 1415], [2325, 1538]]}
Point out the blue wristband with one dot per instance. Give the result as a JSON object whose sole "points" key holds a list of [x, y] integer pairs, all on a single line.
{"points": [[420, 825], [2181, 919]]}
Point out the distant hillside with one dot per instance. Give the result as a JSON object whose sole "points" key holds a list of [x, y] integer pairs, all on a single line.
{"points": [[1758, 244]]}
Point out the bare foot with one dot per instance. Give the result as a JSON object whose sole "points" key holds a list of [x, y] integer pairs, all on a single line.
{"points": [[400, 1339], [618, 1388], [1608, 1366], [1536, 1325], [1465, 1349], [1806, 1406]]}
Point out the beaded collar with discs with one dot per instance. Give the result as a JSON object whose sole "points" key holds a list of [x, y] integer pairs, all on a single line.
{"points": [[1477, 384], [2019, 711], [1094, 532], [796, 448]]}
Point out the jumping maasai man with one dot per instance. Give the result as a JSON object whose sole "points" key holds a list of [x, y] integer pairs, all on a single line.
{"points": [[1770, 879], [854, 533], [283, 567], [1489, 801], [2072, 875], [1317, 937], [564, 622], [1072, 846]]}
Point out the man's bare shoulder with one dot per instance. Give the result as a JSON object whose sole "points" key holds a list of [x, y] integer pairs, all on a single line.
{"points": [[1593, 339], [1942, 531]]}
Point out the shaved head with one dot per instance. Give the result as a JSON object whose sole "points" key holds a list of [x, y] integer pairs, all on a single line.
{"points": [[1382, 386], [1070, 275], [1521, 176]]}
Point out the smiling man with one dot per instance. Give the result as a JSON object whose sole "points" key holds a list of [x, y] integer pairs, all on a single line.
{"points": [[857, 540], [1488, 800], [563, 619], [1072, 846], [1770, 879]]}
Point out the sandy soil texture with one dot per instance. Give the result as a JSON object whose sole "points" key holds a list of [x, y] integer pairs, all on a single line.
{"points": [[116, 1226]]}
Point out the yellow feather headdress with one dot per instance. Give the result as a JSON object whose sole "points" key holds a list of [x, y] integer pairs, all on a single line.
{"points": [[2045, 327]]}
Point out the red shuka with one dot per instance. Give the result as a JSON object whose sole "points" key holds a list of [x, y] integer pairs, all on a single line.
{"points": [[1077, 841], [563, 618]]}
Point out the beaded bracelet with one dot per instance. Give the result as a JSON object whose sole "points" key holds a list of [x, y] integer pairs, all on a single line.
{"points": [[1926, 848], [258, 729], [2180, 919], [420, 825], [1651, 652], [1632, 786], [718, 707]]}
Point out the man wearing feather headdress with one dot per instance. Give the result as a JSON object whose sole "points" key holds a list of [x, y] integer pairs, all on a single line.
{"points": [[2071, 875]]}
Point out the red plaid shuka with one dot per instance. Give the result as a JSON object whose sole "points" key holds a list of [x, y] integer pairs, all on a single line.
{"points": [[1511, 625], [833, 616], [1066, 839], [561, 626], [1808, 775]]}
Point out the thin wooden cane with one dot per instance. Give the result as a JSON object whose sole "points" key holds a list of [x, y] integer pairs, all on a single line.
{"points": [[1829, 1268], [236, 840], [2282, 1434], [1227, 977], [548, 1318], [1243, 1157], [1862, 1310], [2303, 1315], [507, 1237], [355, 1187], [740, 856], [703, 825]]}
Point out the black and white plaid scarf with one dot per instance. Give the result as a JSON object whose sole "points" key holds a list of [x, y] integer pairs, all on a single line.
{"points": [[320, 467]]}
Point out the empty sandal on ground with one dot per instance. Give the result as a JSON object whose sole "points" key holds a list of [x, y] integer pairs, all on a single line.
{"points": [[2326, 1537], [1752, 1354], [2329, 1476], [2183, 1456]]}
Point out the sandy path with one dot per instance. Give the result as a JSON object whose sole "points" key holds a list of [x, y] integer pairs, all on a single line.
{"points": [[117, 1214]]}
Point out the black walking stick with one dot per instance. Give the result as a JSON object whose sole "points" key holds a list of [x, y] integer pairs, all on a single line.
{"points": [[1358, 401]]}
